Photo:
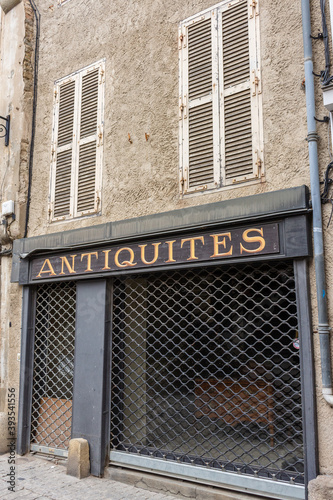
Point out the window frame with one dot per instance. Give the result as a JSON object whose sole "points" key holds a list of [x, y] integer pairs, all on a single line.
{"points": [[77, 76], [254, 84]]}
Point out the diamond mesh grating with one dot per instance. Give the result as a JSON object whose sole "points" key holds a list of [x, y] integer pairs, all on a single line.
{"points": [[53, 365], [204, 369]]}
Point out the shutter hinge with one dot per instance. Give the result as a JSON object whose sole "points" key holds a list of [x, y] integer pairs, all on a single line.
{"points": [[182, 107], [183, 182], [256, 83], [182, 41], [253, 9], [101, 76], [258, 164], [55, 94], [100, 137]]}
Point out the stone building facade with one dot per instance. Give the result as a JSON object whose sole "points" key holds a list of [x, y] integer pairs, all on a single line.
{"points": [[161, 265]]}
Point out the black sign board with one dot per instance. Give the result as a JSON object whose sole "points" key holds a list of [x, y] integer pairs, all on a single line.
{"points": [[200, 247]]}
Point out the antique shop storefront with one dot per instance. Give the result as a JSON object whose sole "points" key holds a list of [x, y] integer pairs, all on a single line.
{"points": [[175, 343]]}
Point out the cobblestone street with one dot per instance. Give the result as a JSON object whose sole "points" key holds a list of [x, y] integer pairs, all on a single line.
{"points": [[45, 479]]}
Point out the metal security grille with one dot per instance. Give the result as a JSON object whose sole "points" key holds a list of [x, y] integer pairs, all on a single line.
{"points": [[53, 365], [205, 369]]}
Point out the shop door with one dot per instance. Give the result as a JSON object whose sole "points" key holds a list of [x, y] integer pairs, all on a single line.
{"points": [[53, 367], [206, 370]]}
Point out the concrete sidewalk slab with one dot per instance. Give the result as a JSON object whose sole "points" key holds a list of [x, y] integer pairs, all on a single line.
{"points": [[42, 478]]}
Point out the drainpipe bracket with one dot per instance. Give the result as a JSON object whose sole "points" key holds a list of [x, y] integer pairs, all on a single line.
{"points": [[312, 136], [324, 329]]}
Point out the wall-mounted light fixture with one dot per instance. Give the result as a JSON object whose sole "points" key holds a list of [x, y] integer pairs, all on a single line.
{"points": [[4, 129]]}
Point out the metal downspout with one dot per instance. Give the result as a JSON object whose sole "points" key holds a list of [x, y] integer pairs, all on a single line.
{"points": [[323, 326]]}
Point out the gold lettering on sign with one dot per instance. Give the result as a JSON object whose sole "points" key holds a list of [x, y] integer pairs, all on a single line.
{"points": [[106, 262], [192, 245], [70, 268], [253, 239], [170, 251], [125, 263], [217, 243], [88, 255], [143, 256], [50, 270]]}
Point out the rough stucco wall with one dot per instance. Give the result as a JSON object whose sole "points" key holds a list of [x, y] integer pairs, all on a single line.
{"points": [[16, 77], [321, 488], [140, 45], [10, 346]]}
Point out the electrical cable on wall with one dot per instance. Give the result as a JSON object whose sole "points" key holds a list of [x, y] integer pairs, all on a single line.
{"points": [[325, 196], [329, 140], [37, 17], [7, 253], [325, 77]]}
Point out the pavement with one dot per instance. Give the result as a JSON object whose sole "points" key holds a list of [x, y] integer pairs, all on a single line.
{"points": [[43, 478]]}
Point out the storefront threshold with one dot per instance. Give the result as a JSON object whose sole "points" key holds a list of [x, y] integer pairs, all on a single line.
{"points": [[249, 487], [49, 450]]}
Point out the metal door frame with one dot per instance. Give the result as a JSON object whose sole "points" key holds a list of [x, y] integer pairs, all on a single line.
{"points": [[244, 483], [228, 480]]}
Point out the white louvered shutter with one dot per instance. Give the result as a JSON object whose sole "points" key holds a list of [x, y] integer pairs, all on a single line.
{"points": [[89, 143], [63, 149], [220, 97], [199, 103], [77, 144], [240, 85]]}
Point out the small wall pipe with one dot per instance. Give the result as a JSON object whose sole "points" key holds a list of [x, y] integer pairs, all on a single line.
{"points": [[33, 125], [331, 17], [312, 138]]}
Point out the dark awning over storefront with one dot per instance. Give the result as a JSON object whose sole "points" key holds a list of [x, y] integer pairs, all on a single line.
{"points": [[289, 238]]}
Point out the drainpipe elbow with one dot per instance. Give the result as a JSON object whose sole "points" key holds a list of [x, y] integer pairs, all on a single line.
{"points": [[328, 396]]}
